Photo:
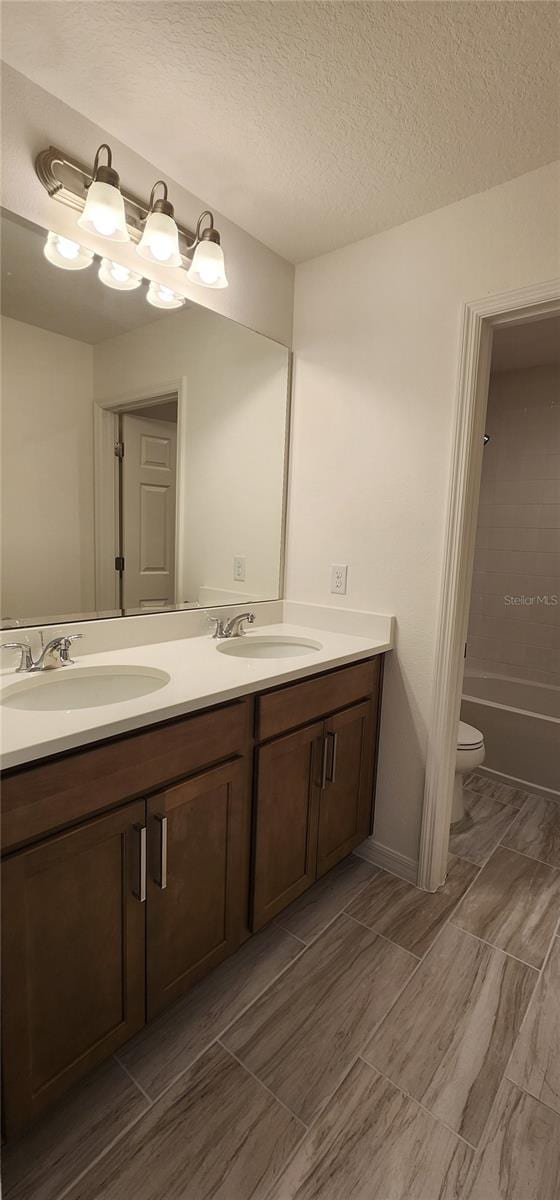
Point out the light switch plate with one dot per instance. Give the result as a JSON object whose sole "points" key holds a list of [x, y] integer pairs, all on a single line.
{"points": [[239, 567], [339, 578]]}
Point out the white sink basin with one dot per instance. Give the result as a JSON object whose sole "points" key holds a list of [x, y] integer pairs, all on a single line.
{"points": [[68, 688], [273, 646]]}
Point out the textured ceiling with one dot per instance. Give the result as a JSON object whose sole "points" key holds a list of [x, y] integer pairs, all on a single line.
{"points": [[310, 125]]}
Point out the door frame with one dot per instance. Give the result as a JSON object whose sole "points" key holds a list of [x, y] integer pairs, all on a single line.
{"points": [[480, 318], [106, 497]]}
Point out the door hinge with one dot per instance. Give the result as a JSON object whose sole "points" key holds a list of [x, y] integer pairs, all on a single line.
{"points": [[119, 563], [119, 449]]}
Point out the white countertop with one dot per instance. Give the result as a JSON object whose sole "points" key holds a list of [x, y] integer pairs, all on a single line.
{"points": [[200, 676]]}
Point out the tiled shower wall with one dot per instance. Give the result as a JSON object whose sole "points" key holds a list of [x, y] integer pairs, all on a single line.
{"points": [[514, 625]]}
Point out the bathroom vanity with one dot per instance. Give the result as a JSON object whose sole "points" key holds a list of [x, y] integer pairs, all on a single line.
{"points": [[167, 794], [134, 865]]}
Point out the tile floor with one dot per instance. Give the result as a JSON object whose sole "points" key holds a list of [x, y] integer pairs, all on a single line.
{"points": [[374, 1043]]}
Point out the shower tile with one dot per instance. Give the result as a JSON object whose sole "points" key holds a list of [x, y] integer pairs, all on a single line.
{"points": [[514, 904], [490, 821], [536, 830]]}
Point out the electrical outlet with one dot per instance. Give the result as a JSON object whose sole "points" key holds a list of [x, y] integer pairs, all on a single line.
{"points": [[339, 578], [239, 566]]}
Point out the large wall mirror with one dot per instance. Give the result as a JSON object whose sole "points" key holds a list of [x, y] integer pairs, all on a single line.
{"points": [[143, 451]]}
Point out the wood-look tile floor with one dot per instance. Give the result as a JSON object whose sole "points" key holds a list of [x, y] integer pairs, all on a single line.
{"points": [[374, 1043]]}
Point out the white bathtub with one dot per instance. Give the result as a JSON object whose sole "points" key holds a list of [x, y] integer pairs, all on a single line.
{"points": [[521, 726]]}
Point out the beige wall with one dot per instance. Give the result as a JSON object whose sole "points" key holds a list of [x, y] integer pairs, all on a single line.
{"points": [[518, 537], [232, 445], [376, 339], [47, 473], [261, 288]]}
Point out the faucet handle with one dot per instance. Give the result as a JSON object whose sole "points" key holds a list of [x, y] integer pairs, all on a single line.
{"points": [[26, 658], [217, 624], [65, 643]]}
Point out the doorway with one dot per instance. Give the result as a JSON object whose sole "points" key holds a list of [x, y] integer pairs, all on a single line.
{"points": [[139, 503], [480, 320], [147, 493]]}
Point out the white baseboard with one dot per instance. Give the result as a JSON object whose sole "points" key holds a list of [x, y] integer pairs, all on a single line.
{"points": [[513, 781], [389, 860]]}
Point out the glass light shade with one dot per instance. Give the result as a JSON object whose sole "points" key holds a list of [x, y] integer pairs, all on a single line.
{"points": [[208, 267], [104, 212], [113, 275], [160, 240], [163, 297], [63, 252]]}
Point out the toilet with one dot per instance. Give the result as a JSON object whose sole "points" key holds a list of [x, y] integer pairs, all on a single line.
{"points": [[470, 754]]}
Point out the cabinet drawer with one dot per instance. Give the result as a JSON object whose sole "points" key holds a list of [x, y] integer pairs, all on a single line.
{"points": [[299, 703], [37, 800]]}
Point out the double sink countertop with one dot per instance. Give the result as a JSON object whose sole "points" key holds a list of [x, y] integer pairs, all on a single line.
{"points": [[200, 676]]}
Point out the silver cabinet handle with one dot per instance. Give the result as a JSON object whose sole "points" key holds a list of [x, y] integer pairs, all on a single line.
{"points": [[162, 881], [332, 772], [324, 761], [140, 892]]}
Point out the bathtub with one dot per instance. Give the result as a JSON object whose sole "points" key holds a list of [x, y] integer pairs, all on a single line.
{"points": [[521, 726]]}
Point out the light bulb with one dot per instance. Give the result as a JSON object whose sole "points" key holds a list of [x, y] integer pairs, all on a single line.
{"points": [[64, 253], [160, 239], [163, 297], [104, 221], [208, 267], [67, 248], [114, 275], [104, 212]]}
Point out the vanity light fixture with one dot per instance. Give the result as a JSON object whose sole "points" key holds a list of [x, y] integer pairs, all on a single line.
{"points": [[121, 278], [208, 266], [163, 297], [104, 208], [64, 253], [160, 239]]}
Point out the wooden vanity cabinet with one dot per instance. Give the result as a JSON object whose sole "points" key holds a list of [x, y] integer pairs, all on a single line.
{"points": [[134, 866], [196, 908], [314, 786], [97, 938], [346, 796], [73, 961], [288, 788]]}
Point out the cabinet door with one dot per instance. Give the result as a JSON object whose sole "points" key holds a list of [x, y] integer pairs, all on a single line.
{"points": [[287, 807], [197, 879], [73, 957], [346, 798]]}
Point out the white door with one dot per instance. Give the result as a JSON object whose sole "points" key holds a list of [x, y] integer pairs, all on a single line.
{"points": [[149, 487]]}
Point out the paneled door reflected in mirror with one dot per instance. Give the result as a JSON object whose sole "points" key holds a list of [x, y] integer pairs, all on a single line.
{"points": [[143, 451], [148, 457]]}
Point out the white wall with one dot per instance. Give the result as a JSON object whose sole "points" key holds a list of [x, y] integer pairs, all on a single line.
{"points": [[232, 445], [260, 292], [512, 628], [47, 473], [376, 339]]}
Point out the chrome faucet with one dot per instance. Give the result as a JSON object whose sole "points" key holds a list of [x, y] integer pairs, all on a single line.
{"points": [[231, 628], [55, 654]]}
